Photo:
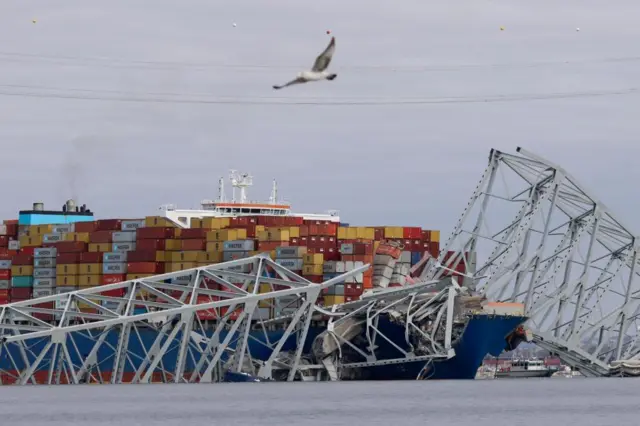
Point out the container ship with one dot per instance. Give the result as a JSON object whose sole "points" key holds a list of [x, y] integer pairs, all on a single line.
{"points": [[46, 252]]}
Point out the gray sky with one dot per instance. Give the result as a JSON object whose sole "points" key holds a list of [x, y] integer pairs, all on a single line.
{"points": [[378, 164]]}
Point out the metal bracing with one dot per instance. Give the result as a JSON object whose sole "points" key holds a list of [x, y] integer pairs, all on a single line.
{"points": [[412, 307], [532, 234], [190, 326]]}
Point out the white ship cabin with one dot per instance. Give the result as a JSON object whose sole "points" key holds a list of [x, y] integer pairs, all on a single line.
{"points": [[240, 206]]}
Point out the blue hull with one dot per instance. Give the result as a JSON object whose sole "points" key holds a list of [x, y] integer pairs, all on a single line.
{"points": [[483, 335]]}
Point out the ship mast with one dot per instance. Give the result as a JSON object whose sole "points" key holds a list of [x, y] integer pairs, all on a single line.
{"points": [[242, 182], [274, 193]]}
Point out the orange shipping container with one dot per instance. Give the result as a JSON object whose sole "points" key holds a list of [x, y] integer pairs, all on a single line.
{"points": [[194, 244]]}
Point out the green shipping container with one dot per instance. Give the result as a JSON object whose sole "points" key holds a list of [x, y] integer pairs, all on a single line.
{"points": [[22, 282]]}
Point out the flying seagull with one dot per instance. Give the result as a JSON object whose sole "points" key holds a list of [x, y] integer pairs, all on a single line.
{"points": [[319, 70]]}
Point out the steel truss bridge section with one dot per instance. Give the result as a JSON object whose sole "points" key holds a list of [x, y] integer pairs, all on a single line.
{"points": [[150, 330], [427, 317], [531, 233]]}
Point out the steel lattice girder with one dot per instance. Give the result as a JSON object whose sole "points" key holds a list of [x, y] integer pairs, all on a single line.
{"points": [[168, 304], [541, 238]]}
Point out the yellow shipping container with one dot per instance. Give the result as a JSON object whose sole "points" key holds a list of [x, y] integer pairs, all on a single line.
{"points": [[215, 222], [66, 280], [70, 269], [294, 231], [76, 236], [227, 235], [173, 245], [342, 233], [26, 241], [435, 236], [333, 300], [89, 280], [209, 257], [100, 247], [267, 303], [177, 232], [279, 235], [312, 269], [262, 236], [138, 276], [365, 233], [35, 230], [90, 269], [313, 259], [352, 233], [272, 254], [179, 266], [183, 256], [376, 244], [215, 246], [394, 232], [21, 270], [83, 306], [195, 222], [158, 222]]}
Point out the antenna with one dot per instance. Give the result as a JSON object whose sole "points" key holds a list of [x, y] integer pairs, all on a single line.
{"points": [[221, 190], [242, 182], [274, 193]]}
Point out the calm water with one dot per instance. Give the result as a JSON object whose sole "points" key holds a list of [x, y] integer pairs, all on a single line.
{"points": [[584, 402]]}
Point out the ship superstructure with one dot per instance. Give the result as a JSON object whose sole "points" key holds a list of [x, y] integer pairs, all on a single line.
{"points": [[241, 205]]}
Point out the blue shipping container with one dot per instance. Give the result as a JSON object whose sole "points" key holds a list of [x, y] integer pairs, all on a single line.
{"points": [[415, 257], [22, 281]]}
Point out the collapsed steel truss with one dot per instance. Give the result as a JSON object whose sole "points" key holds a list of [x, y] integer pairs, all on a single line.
{"points": [[168, 306], [542, 239]]}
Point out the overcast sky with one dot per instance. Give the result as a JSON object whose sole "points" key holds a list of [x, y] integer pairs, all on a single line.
{"points": [[387, 164]]}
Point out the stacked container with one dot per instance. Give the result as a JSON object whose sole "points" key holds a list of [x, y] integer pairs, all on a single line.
{"points": [[312, 267], [44, 271], [291, 258]]}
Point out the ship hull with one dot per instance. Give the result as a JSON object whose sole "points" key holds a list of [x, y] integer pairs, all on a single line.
{"points": [[482, 335]]}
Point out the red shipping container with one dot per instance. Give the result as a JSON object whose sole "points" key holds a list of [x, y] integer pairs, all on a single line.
{"points": [[194, 245], [70, 246], [153, 245], [85, 226], [317, 279], [109, 225], [101, 237], [91, 257], [118, 292], [5, 255], [410, 232], [67, 258], [425, 235], [142, 256], [251, 230], [4, 241], [20, 293], [352, 289], [154, 233], [4, 293], [5, 274], [434, 248], [22, 259], [113, 278], [271, 245], [145, 268], [331, 254], [294, 242], [27, 250], [187, 234], [378, 234]]}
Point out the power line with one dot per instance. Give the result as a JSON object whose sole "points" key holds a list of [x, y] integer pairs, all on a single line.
{"points": [[267, 101], [108, 62]]}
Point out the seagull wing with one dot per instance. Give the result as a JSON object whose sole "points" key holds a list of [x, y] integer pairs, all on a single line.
{"points": [[292, 82], [324, 59]]}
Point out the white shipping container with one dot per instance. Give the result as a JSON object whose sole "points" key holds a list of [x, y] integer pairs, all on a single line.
{"points": [[382, 282], [63, 228], [45, 252], [132, 225], [240, 268], [262, 314], [44, 282], [45, 262], [42, 292], [52, 238], [5, 284], [5, 264], [346, 248], [329, 267], [405, 257], [114, 268], [114, 257], [382, 271], [181, 280], [290, 252], [291, 264], [239, 245], [121, 247], [341, 267], [124, 237], [61, 290], [44, 273], [3, 229], [14, 245]]}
